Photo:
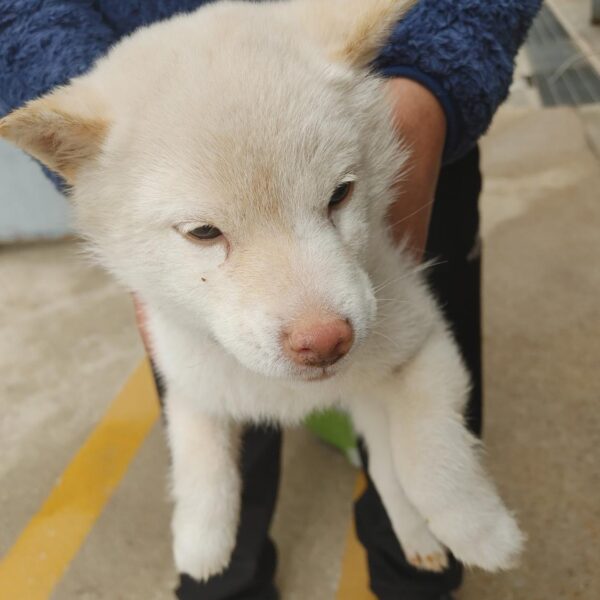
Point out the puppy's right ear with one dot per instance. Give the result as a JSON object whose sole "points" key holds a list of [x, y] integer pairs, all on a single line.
{"points": [[352, 31], [64, 130]]}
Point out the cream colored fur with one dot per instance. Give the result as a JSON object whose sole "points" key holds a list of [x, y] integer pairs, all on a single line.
{"points": [[247, 116]]}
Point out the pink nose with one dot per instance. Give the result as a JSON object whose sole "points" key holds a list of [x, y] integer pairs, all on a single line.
{"points": [[318, 341]]}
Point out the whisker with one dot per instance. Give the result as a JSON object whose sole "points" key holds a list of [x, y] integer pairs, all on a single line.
{"points": [[389, 339], [392, 300], [393, 280], [412, 214]]}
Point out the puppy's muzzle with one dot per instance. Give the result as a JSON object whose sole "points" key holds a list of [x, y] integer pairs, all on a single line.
{"points": [[318, 340]]}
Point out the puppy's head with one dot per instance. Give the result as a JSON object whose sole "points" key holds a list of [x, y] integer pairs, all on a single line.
{"points": [[233, 166]]}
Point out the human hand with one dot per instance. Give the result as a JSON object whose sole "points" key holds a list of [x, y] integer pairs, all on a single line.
{"points": [[420, 120]]}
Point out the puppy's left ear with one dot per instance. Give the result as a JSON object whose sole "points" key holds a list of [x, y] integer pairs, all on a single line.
{"points": [[352, 31], [64, 130]]}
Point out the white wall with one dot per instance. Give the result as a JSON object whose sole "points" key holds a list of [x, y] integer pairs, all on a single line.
{"points": [[30, 206]]}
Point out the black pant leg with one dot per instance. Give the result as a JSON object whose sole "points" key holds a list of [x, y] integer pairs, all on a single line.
{"points": [[453, 237], [456, 281]]}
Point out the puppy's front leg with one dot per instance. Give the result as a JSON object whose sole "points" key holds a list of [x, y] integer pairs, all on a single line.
{"points": [[438, 463], [206, 488], [420, 548]]}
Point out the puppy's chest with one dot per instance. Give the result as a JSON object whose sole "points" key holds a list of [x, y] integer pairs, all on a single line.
{"points": [[235, 393]]}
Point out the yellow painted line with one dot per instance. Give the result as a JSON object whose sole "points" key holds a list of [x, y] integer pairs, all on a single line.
{"points": [[354, 579], [41, 554]]}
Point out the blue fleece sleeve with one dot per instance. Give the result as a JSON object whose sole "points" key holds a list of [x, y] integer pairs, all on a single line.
{"points": [[44, 43], [464, 52]]}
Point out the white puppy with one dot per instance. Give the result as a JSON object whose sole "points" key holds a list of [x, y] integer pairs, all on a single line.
{"points": [[234, 167]]}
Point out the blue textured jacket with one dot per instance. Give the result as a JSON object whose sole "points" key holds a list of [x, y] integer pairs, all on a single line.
{"points": [[462, 50]]}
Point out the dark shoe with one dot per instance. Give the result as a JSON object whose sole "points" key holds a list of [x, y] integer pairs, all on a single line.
{"points": [[270, 593], [266, 594], [189, 589]]}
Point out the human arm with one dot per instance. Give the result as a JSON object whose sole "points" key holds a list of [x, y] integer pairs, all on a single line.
{"points": [[420, 120], [45, 43], [463, 52], [449, 68]]}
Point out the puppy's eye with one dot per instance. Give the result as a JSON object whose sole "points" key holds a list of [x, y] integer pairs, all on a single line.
{"points": [[204, 233], [340, 194]]}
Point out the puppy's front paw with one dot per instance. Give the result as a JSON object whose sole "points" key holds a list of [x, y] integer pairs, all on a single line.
{"points": [[202, 549], [489, 539], [424, 552]]}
